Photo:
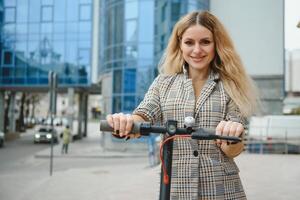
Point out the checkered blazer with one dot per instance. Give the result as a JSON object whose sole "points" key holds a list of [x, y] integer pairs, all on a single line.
{"points": [[200, 170]]}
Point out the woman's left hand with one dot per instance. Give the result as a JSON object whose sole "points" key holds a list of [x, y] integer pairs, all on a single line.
{"points": [[229, 128]]}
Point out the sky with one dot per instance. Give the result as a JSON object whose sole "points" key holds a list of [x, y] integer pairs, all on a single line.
{"points": [[292, 17]]}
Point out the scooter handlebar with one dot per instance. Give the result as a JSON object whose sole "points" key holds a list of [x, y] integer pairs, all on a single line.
{"points": [[104, 126]]}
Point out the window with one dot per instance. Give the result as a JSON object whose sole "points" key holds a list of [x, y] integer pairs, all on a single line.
{"points": [[117, 81], [175, 11], [83, 56], [47, 2], [131, 10], [129, 80], [10, 14], [47, 14], [129, 103], [117, 104], [131, 31], [85, 12], [162, 42], [163, 12], [8, 58], [22, 11], [7, 71], [34, 11], [9, 2]]}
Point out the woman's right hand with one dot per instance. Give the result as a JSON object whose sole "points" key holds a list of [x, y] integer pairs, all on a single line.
{"points": [[121, 123]]}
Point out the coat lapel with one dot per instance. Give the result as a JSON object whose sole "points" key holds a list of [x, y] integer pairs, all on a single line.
{"points": [[206, 91]]}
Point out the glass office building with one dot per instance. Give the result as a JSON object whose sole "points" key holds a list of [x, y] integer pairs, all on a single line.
{"points": [[134, 35], [127, 50], [42, 35]]}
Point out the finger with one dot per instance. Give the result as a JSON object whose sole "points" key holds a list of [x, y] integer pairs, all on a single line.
{"points": [[233, 129], [226, 129], [129, 124], [116, 121], [123, 122], [110, 121], [219, 130], [239, 130]]}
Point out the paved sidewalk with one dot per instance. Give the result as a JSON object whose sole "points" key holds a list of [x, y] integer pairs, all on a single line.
{"points": [[89, 147], [264, 176]]}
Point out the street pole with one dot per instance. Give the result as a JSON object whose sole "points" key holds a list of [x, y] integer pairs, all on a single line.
{"points": [[52, 108]]}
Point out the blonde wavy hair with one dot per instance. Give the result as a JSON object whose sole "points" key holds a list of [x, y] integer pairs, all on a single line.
{"points": [[238, 85]]}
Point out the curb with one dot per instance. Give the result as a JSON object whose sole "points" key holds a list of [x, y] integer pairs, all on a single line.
{"points": [[91, 156]]}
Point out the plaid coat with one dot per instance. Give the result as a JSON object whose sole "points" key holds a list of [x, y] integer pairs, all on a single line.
{"points": [[200, 170]]}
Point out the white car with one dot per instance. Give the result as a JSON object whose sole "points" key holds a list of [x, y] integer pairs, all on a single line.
{"points": [[44, 134]]}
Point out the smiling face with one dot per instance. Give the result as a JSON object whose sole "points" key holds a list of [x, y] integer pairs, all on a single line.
{"points": [[198, 48]]}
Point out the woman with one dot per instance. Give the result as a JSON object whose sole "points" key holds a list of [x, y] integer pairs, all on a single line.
{"points": [[201, 76]]}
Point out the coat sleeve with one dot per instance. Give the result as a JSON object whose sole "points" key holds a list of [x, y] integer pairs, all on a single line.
{"points": [[233, 113], [150, 108]]}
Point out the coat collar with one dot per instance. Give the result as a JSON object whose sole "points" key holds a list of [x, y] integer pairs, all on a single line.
{"points": [[213, 76], [207, 89]]}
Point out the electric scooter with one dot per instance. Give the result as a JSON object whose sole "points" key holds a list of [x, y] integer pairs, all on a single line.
{"points": [[171, 131]]}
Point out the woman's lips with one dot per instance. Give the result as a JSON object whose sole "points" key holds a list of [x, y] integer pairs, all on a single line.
{"points": [[197, 59]]}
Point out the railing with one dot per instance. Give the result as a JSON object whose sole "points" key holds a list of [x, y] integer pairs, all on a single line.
{"points": [[278, 139]]}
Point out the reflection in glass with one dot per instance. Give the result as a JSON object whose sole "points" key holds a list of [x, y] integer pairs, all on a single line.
{"points": [[59, 51], [47, 2], [84, 44], [129, 103], [46, 27], [116, 104], [85, 12], [117, 80], [85, 27], [131, 9], [83, 56], [146, 51], [7, 71], [31, 71], [20, 72], [34, 11], [71, 27], [10, 15], [21, 28], [131, 31], [59, 27], [33, 28], [9, 2], [59, 10], [21, 49], [72, 10], [71, 52], [131, 52], [129, 81], [146, 31], [47, 13], [22, 11], [8, 57], [48, 34]]}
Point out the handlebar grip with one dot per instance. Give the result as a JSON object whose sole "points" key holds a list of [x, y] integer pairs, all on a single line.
{"points": [[104, 126]]}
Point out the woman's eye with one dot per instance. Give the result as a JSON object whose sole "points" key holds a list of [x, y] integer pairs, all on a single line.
{"points": [[205, 42], [188, 43]]}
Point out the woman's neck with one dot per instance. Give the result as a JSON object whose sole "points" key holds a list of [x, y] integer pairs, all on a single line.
{"points": [[199, 75]]}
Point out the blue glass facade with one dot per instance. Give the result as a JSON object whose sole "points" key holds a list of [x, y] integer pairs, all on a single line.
{"points": [[127, 49], [42, 35]]}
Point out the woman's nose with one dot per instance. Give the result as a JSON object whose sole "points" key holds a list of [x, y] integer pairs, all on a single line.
{"points": [[197, 48]]}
